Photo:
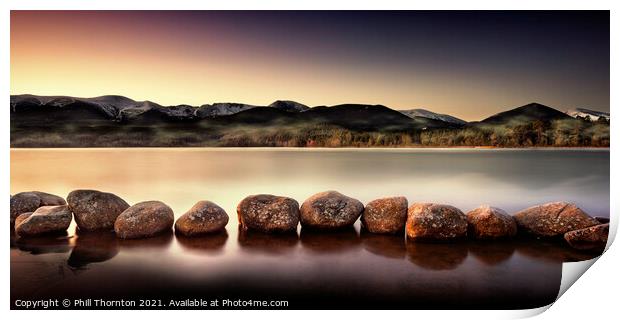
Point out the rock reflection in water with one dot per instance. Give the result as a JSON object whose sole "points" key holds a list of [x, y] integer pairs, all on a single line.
{"points": [[437, 256], [553, 250], [328, 242], [384, 245], [48, 243], [492, 252], [209, 243], [91, 247], [160, 241], [259, 242]]}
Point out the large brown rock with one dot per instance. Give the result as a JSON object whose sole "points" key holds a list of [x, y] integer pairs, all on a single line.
{"points": [[553, 219], [330, 210], [435, 222], [591, 238], [144, 219], [95, 210], [487, 222], [44, 220], [386, 215], [268, 213], [203, 218], [30, 201]]}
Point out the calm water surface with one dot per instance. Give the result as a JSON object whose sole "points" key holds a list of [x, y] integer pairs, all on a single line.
{"points": [[347, 269]]}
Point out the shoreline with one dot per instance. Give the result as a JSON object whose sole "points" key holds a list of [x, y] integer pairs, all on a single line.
{"points": [[468, 148]]}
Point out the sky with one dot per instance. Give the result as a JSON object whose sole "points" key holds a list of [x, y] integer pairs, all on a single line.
{"points": [[467, 64]]}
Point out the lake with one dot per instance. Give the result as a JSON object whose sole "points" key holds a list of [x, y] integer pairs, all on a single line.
{"points": [[346, 269]]}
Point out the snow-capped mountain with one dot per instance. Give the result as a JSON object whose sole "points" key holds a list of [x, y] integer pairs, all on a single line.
{"points": [[221, 109], [413, 113], [584, 113]]}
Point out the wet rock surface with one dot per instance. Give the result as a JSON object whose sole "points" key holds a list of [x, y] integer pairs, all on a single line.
{"points": [[553, 219], [29, 202], [487, 222], [268, 213], [203, 218], [386, 215], [435, 222], [95, 210], [591, 238], [47, 219], [144, 219], [330, 210]]}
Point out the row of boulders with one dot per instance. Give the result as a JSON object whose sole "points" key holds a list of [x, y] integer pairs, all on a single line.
{"points": [[36, 212]]}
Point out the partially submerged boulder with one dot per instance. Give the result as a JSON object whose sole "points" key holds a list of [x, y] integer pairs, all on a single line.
{"points": [[553, 219], [487, 222], [95, 210], [268, 213], [29, 202], [386, 215], [330, 210], [203, 218], [435, 222], [44, 220], [591, 238], [144, 219]]}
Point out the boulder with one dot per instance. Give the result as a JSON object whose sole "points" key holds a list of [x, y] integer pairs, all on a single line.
{"points": [[144, 219], [30, 201], [330, 210], [591, 238], [44, 220], [553, 219], [48, 199], [268, 213], [487, 222], [435, 222], [386, 215], [203, 218], [95, 210]]}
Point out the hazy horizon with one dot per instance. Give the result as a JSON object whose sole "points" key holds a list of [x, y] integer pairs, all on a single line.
{"points": [[466, 64]]}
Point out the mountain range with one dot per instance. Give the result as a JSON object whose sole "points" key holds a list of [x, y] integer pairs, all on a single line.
{"points": [[111, 117]]}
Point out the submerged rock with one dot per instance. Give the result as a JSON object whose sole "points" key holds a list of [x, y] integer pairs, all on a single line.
{"points": [[144, 219], [30, 201], [44, 220], [487, 222], [203, 218], [553, 219], [95, 210], [386, 215], [330, 210], [268, 213], [591, 238], [429, 221]]}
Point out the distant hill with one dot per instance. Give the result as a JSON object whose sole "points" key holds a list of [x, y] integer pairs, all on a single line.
{"points": [[422, 113], [526, 113], [108, 121]]}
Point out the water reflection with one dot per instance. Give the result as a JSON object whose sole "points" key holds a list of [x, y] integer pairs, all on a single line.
{"points": [[58, 242], [258, 242], [389, 246], [91, 247], [437, 256], [551, 250], [160, 241], [330, 242], [209, 243], [492, 252]]}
